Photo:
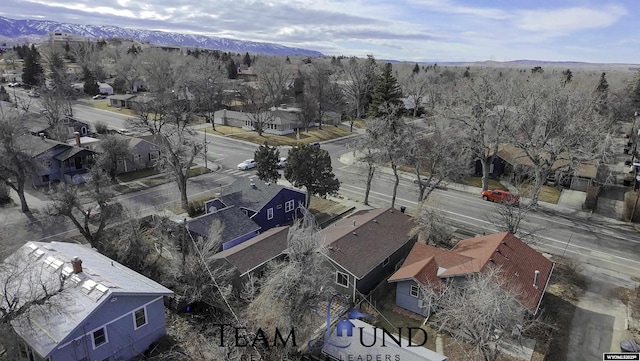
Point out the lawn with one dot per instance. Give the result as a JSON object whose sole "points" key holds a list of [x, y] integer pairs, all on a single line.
{"points": [[138, 174], [224, 130], [313, 135], [104, 105], [547, 194], [477, 182]]}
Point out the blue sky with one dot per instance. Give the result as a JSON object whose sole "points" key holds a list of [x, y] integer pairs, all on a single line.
{"points": [[413, 30]]}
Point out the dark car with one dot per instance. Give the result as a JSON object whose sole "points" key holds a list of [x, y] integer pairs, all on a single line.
{"points": [[315, 144], [498, 195]]}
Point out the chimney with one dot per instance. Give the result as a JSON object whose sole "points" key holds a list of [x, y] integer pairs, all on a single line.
{"points": [[41, 135], [354, 222], [77, 265], [77, 134], [535, 279]]}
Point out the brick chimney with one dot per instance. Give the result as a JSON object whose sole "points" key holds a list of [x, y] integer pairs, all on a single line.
{"points": [[76, 262], [77, 134]]}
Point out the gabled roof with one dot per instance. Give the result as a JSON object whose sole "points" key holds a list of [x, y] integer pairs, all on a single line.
{"points": [[72, 152], [251, 194], [101, 279], [517, 261], [365, 239], [257, 251], [516, 156], [36, 146], [233, 221], [425, 263]]}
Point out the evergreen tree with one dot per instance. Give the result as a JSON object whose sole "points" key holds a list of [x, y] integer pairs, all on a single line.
{"points": [[90, 84], [386, 94], [416, 69], [267, 159], [232, 69], [603, 85], [635, 95], [247, 59], [467, 73], [32, 72], [287, 60], [310, 167], [567, 76]]}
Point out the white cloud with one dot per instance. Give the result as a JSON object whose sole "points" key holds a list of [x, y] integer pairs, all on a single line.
{"points": [[568, 20]]}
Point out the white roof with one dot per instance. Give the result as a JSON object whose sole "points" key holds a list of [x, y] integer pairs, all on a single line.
{"points": [[47, 326]]}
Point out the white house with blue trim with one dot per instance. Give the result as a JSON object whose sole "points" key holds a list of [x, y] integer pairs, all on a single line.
{"points": [[99, 309]]}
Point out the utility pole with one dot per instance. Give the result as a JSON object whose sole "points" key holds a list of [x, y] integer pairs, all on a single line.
{"points": [[205, 146]]}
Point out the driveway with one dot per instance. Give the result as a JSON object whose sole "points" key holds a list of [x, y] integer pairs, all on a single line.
{"points": [[600, 319]]}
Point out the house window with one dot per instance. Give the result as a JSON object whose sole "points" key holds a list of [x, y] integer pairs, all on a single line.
{"points": [[288, 206], [279, 206], [414, 291], [270, 213], [45, 178], [153, 156], [120, 161], [245, 212], [385, 262], [137, 158], [139, 318], [46, 163], [99, 337], [342, 279]]}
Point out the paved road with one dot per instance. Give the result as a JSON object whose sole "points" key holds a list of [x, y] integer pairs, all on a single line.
{"points": [[610, 245]]}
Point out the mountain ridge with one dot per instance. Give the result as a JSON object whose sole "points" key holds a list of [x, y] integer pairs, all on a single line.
{"points": [[30, 30]]}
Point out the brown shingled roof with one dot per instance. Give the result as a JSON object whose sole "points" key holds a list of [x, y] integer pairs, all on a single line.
{"points": [[517, 261]]}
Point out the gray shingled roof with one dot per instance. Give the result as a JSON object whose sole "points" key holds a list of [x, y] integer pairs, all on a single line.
{"points": [[241, 194], [256, 251], [104, 278], [363, 240], [234, 223]]}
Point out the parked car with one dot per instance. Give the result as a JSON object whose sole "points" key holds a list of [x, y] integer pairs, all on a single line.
{"points": [[33, 94], [124, 132], [315, 144], [431, 183], [498, 195], [99, 96], [282, 162], [247, 164], [14, 84], [111, 206]]}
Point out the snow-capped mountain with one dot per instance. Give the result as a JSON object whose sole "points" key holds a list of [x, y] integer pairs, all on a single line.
{"points": [[33, 30]]}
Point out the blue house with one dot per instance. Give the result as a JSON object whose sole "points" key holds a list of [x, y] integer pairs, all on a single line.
{"points": [[233, 225], [268, 204], [94, 308], [56, 161]]}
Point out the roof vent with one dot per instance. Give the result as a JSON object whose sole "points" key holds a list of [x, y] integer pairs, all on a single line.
{"points": [[375, 221], [354, 233], [536, 273]]}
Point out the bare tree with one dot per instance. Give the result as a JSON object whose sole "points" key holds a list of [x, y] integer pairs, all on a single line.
{"points": [[320, 87], [360, 78], [17, 164], [114, 149], [127, 67], [89, 207], [482, 107], [436, 157], [167, 116], [257, 108], [26, 289], [389, 136], [274, 75], [368, 153], [206, 84], [416, 87], [431, 226], [482, 309], [292, 289], [554, 123]]}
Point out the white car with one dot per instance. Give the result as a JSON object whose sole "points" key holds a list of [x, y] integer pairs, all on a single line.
{"points": [[282, 162], [247, 164]]}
